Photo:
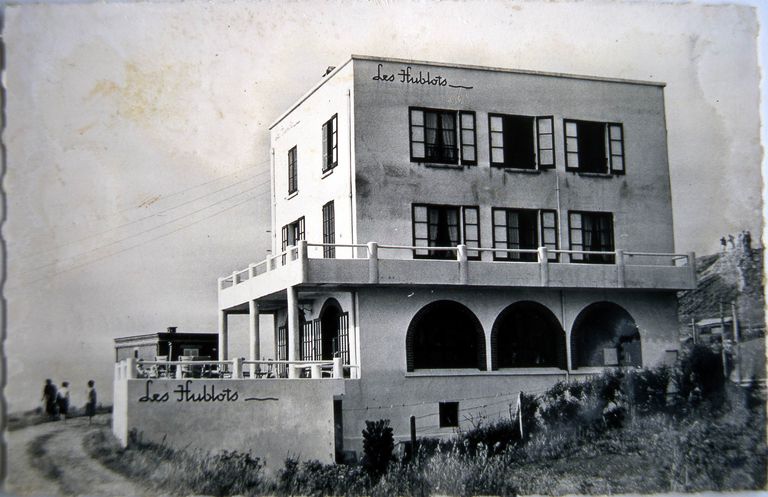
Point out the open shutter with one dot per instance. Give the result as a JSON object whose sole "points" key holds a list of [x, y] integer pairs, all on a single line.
{"points": [[545, 142], [326, 160], [468, 137], [616, 148]]}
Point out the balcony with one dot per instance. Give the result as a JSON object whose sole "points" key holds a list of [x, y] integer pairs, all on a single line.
{"points": [[374, 264]]}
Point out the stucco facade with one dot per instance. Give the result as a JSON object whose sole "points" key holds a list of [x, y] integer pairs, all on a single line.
{"points": [[455, 235]]}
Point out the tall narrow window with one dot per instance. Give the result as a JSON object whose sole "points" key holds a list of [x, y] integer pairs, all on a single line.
{"points": [[436, 136], [521, 142], [330, 143], [591, 232], [329, 230], [292, 233], [292, 172], [445, 226], [524, 229], [594, 147]]}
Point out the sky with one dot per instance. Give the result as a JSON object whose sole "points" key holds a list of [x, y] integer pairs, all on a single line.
{"points": [[137, 141]]}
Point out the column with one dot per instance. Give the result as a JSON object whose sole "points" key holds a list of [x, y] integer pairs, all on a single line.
{"points": [[253, 330], [293, 328], [223, 335]]}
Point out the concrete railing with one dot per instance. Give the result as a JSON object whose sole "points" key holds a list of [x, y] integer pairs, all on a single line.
{"points": [[544, 257], [238, 368]]}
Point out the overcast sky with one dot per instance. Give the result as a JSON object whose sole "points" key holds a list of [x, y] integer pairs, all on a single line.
{"points": [[137, 141]]}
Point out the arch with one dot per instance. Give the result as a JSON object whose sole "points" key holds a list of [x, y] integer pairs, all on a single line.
{"points": [[527, 334], [445, 335], [605, 334], [330, 317]]}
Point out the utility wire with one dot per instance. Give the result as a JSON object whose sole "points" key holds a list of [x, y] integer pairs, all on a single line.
{"points": [[114, 228], [93, 261], [129, 237]]}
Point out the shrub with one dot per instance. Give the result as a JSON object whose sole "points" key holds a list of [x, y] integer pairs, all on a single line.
{"points": [[701, 377], [378, 446]]}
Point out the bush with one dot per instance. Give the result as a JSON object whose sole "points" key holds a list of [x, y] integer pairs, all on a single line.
{"points": [[378, 446], [701, 377]]}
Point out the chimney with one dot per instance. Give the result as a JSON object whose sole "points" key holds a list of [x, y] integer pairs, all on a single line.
{"points": [[172, 329]]}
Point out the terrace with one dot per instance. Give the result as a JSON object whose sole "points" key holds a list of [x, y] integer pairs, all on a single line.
{"points": [[372, 264]]}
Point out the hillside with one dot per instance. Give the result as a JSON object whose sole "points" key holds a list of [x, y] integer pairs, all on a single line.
{"points": [[735, 275]]}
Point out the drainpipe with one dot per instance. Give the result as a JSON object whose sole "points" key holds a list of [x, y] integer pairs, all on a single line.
{"points": [[274, 203], [352, 233], [559, 209]]}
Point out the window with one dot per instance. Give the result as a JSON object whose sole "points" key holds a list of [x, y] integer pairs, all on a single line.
{"points": [[449, 414], [592, 232], [445, 226], [330, 143], [292, 172], [522, 142], [445, 335], [434, 137], [594, 147], [526, 229], [605, 334], [329, 230], [292, 233]]}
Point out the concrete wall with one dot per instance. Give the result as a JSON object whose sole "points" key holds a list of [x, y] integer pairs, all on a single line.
{"points": [[283, 418], [386, 390], [303, 128], [639, 200]]}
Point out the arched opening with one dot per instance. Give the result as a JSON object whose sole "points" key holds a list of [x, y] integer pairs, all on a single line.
{"points": [[527, 335], [330, 324], [605, 334], [445, 335]]}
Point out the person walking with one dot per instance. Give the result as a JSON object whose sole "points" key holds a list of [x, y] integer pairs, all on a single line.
{"points": [[49, 398], [62, 399], [90, 406]]}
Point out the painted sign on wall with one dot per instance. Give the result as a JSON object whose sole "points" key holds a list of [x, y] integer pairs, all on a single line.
{"points": [[185, 393], [407, 76]]}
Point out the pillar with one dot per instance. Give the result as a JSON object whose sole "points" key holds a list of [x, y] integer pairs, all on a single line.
{"points": [[293, 328], [223, 335], [253, 330]]}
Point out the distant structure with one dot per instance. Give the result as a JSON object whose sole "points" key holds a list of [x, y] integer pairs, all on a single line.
{"points": [[445, 237], [168, 345], [727, 308]]}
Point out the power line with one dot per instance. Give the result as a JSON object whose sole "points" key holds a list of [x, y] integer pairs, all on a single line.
{"points": [[170, 195], [114, 242], [187, 202], [93, 261]]}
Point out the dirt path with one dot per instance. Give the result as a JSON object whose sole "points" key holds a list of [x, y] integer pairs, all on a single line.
{"points": [[64, 467]]}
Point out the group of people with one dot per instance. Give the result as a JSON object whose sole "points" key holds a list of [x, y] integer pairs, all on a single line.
{"points": [[56, 401]]}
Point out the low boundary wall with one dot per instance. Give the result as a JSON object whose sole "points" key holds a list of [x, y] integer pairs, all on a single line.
{"points": [[271, 419]]}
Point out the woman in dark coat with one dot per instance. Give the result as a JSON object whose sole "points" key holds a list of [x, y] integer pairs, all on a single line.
{"points": [[90, 406], [49, 398]]}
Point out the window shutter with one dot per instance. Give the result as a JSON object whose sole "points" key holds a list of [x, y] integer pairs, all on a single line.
{"points": [[468, 137], [472, 230], [417, 135], [571, 145], [576, 235], [325, 147], [545, 142], [496, 124], [616, 148], [549, 233]]}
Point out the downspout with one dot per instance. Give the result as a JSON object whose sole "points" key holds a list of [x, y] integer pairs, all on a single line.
{"points": [[273, 250], [559, 209], [349, 149]]}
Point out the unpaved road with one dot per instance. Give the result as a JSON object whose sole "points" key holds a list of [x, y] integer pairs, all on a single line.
{"points": [[65, 468]]}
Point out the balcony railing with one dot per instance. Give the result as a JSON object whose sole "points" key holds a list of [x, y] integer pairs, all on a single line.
{"points": [[237, 368], [372, 252]]}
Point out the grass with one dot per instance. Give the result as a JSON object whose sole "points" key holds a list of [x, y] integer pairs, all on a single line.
{"points": [[19, 420], [40, 458], [687, 444]]}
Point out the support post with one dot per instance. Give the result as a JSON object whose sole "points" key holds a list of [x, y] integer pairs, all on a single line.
{"points": [[373, 262], [461, 255], [692, 268], [237, 368], [338, 368], [413, 438], [303, 257], [620, 268], [253, 330], [223, 335], [130, 368], [543, 266], [235, 278], [315, 372], [251, 271], [293, 329], [270, 264]]}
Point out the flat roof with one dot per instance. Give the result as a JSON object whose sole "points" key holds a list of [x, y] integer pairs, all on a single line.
{"points": [[331, 74]]}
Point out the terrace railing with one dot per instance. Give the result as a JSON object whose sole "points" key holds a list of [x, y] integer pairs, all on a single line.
{"points": [[372, 251], [237, 368]]}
